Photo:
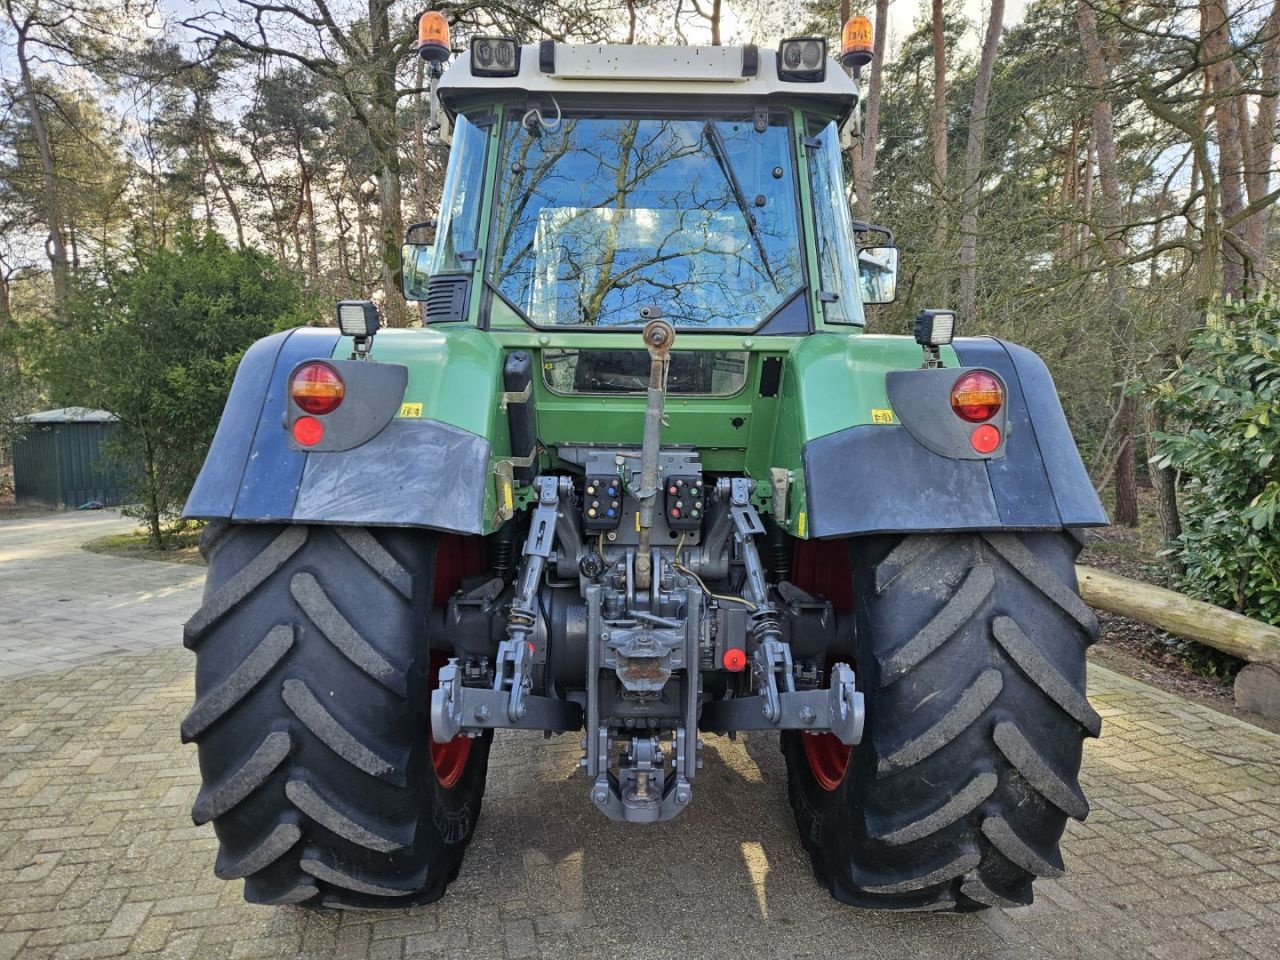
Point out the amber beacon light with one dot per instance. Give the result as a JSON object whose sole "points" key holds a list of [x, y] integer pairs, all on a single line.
{"points": [[856, 43], [433, 37]]}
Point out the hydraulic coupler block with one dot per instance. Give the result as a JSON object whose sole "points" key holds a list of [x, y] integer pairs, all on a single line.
{"points": [[685, 502], [602, 502]]}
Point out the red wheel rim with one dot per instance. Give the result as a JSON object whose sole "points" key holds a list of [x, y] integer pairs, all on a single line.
{"points": [[822, 567], [828, 759], [456, 557], [448, 759]]}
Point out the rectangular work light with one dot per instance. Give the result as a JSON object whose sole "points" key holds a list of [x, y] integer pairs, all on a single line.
{"points": [[358, 318], [803, 60], [935, 328], [494, 57]]}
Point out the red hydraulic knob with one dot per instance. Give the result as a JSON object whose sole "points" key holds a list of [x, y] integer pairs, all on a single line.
{"points": [[734, 660]]}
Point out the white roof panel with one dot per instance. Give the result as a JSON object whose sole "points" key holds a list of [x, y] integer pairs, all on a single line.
{"points": [[637, 69]]}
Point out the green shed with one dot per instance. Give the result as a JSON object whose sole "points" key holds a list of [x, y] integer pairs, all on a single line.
{"points": [[60, 462]]}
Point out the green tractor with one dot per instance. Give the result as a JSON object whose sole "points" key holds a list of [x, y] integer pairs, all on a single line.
{"points": [[641, 477]]}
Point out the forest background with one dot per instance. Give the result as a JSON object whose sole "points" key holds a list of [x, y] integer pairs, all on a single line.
{"points": [[1091, 178]]}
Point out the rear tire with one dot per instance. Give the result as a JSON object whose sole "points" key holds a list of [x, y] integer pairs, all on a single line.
{"points": [[970, 655], [312, 723]]}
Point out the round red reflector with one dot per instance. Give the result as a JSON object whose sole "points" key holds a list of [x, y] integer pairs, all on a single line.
{"points": [[734, 659], [308, 431], [316, 388], [985, 439], [977, 396]]}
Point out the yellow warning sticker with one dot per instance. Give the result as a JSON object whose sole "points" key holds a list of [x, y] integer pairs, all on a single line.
{"points": [[637, 521], [800, 524], [508, 499], [881, 416], [411, 410]]}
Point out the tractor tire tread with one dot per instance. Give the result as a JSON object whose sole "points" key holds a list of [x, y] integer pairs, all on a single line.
{"points": [[971, 658], [251, 671], [246, 581], [311, 720]]}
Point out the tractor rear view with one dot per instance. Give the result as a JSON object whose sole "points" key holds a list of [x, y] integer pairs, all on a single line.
{"points": [[641, 477]]}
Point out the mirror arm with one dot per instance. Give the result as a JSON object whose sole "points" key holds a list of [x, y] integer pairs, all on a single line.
{"points": [[862, 226]]}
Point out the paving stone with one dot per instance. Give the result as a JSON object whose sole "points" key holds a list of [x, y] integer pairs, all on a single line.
{"points": [[98, 857]]}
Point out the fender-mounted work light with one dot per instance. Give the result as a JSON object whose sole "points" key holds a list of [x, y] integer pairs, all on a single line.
{"points": [[494, 57], [433, 37], [803, 60], [856, 46], [935, 328], [359, 319]]}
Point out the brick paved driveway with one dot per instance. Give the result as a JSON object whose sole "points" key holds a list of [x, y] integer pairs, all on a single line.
{"points": [[1180, 857]]}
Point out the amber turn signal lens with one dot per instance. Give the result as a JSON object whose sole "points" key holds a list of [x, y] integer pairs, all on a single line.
{"points": [[316, 388], [433, 37], [856, 42], [977, 396]]}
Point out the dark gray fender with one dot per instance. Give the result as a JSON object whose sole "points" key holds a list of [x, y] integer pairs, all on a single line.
{"points": [[880, 479], [411, 473]]}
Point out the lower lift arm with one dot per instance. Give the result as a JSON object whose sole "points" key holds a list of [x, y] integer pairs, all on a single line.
{"points": [[779, 705]]}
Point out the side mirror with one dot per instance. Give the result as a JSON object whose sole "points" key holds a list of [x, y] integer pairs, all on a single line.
{"points": [[878, 274], [415, 269]]}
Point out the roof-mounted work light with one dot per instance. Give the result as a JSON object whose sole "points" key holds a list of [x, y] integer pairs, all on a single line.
{"points": [[856, 44], [433, 37], [802, 60], [494, 57]]}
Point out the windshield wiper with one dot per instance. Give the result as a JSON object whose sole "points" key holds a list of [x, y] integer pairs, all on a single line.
{"points": [[722, 158]]}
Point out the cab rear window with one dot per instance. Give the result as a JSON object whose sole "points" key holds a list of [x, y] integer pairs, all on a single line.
{"points": [[707, 373]]}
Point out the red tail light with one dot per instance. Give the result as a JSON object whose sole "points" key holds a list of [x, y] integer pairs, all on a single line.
{"points": [[316, 388], [977, 396], [308, 431]]}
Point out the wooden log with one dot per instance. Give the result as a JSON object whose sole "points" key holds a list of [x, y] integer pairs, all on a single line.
{"points": [[1224, 630]]}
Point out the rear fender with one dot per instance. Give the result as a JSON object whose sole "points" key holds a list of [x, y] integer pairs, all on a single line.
{"points": [[411, 472], [880, 478]]}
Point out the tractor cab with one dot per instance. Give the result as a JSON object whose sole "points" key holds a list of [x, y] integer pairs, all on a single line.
{"points": [[587, 182]]}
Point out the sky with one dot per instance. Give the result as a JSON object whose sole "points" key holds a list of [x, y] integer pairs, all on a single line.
{"points": [[902, 14]]}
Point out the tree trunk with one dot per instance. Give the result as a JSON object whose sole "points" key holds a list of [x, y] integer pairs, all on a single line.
{"points": [[1164, 482], [1109, 221], [151, 494], [276, 221], [343, 285], [420, 142], [55, 246], [206, 143], [1126, 477], [865, 168], [385, 134], [313, 242], [1216, 46], [6, 309], [938, 126], [972, 192], [1263, 138]]}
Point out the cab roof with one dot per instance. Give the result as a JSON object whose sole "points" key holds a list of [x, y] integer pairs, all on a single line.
{"points": [[564, 69]]}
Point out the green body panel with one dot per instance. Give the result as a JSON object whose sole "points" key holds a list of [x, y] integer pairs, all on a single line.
{"points": [[455, 373], [830, 381], [832, 378]]}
